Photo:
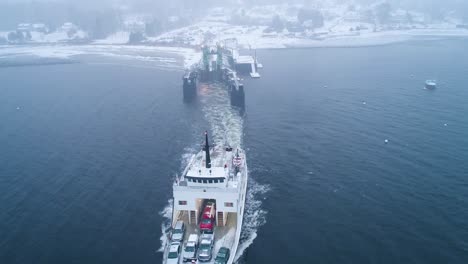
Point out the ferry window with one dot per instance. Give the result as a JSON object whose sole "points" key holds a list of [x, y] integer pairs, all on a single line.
{"points": [[229, 204], [204, 181], [199, 180], [210, 181], [216, 181], [182, 202], [221, 181]]}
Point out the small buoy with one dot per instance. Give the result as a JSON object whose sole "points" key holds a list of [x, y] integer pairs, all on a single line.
{"points": [[18, 108], [445, 124], [386, 141], [364, 102]]}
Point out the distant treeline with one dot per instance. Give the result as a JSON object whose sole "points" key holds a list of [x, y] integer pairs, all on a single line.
{"points": [[98, 21]]}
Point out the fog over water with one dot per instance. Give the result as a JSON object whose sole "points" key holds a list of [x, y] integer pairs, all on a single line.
{"points": [[352, 157]]}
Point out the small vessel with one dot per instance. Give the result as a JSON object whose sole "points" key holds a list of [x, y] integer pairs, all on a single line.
{"points": [[430, 84], [208, 203]]}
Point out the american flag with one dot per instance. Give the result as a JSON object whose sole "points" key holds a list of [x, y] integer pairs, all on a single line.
{"points": [[237, 161]]}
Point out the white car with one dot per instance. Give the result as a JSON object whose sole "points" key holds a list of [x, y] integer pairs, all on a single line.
{"points": [[190, 250], [174, 253]]}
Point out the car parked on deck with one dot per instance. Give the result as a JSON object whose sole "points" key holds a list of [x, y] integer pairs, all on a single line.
{"points": [[206, 247], [178, 232], [189, 252], [223, 256], [174, 253]]}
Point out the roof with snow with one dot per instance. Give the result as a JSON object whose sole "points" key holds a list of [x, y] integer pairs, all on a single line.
{"points": [[241, 59]]}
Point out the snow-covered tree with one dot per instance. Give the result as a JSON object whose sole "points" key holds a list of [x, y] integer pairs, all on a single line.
{"points": [[314, 18], [383, 12], [277, 24]]}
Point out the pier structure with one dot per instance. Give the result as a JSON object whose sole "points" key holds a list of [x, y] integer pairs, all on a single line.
{"points": [[190, 81], [222, 62]]}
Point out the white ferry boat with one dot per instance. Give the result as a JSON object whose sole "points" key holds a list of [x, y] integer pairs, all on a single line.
{"points": [[209, 201]]}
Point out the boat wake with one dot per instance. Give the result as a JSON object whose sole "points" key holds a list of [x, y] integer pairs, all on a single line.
{"points": [[227, 125], [254, 216], [166, 214]]}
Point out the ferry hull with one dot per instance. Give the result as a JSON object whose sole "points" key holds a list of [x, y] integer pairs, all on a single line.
{"points": [[190, 202], [240, 221]]}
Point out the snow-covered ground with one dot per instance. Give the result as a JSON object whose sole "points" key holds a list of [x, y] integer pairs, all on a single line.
{"points": [[120, 37], [344, 24], [341, 28], [27, 33], [57, 36], [254, 37]]}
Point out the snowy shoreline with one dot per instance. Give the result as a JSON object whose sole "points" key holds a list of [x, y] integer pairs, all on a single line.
{"points": [[279, 42], [255, 40], [191, 54], [272, 26]]}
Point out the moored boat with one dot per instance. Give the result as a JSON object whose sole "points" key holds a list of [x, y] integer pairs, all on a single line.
{"points": [[430, 84]]}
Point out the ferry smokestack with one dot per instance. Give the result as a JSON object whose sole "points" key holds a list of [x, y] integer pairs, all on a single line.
{"points": [[207, 151]]}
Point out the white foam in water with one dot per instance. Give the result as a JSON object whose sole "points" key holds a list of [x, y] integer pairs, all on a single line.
{"points": [[225, 121], [254, 216], [186, 157], [166, 214]]}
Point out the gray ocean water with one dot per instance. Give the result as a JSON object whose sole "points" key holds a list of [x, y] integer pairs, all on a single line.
{"points": [[90, 146]]}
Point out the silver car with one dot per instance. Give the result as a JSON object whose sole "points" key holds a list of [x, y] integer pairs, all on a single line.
{"points": [[178, 232], [206, 247], [174, 253]]}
